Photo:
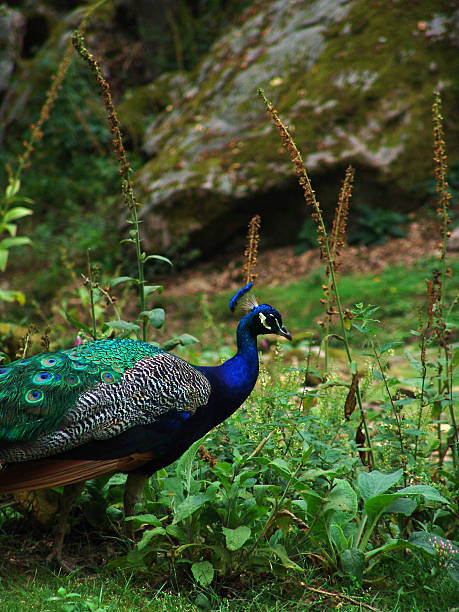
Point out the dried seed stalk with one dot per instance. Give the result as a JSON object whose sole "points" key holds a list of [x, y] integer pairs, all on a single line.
{"points": [[251, 249]]}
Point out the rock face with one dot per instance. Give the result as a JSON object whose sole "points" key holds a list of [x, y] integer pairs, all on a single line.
{"points": [[11, 32], [352, 79]]}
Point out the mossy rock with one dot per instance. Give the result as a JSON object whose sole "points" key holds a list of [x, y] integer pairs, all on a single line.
{"points": [[353, 80]]}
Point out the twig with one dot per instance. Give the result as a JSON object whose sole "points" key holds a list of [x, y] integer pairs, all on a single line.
{"points": [[356, 602]]}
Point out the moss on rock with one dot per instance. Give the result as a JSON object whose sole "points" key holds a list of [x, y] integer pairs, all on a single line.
{"points": [[354, 80]]}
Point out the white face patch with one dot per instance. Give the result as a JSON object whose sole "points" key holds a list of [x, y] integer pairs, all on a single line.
{"points": [[263, 320]]}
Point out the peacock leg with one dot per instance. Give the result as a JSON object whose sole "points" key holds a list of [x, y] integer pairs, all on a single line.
{"points": [[70, 494], [133, 490]]}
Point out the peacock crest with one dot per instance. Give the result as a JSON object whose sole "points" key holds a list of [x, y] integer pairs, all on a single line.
{"points": [[243, 299]]}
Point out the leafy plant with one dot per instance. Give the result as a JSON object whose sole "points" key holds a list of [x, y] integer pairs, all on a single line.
{"points": [[374, 225], [73, 602]]}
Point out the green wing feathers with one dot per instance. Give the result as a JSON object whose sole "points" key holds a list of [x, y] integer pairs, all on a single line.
{"points": [[37, 392]]}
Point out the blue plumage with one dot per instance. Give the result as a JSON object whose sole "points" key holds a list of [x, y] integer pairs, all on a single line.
{"points": [[237, 296]]}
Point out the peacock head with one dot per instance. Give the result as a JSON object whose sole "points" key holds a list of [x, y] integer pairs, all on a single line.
{"points": [[261, 319]]}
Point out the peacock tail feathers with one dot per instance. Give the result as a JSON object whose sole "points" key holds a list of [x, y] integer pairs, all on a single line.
{"points": [[37, 392]]}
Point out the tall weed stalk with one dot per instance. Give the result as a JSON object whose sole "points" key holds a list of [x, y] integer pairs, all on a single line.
{"points": [[444, 367], [127, 188], [327, 249]]}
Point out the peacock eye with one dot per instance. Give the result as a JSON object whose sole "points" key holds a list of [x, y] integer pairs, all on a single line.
{"points": [[42, 377], [72, 379], [78, 365], [34, 395], [49, 362], [107, 377]]}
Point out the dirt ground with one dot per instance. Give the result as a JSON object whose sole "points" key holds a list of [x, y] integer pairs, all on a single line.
{"points": [[283, 265]]}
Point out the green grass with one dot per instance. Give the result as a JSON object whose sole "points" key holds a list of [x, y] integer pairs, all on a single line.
{"points": [[398, 292], [33, 588]]}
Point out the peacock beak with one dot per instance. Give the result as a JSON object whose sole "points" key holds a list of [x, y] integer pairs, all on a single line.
{"points": [[283, 331]]}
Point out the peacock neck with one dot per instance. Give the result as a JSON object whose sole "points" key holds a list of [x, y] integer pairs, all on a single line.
{"points": [[233, 380]]}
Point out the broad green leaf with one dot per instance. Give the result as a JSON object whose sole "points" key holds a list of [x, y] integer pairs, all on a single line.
{"points": [[280, 551], [123, 279], [235, 538], [155, 316], [453, 568], [123, 325], [301, 504], [185, 463], [424, 541], [149, 535], [377, 504], [189, 506], [374, 483], [145, 519], [159, 258], [117, 479], [353, 562], [203, 572], [337, 536], [13, 188], [151, 288], [16, 213], [10, 228], [428, 493], [183, 340], [342, 500], [187, 339], [402, 505], [14, 241], [176, 531], [281, 467], [389, 502]]}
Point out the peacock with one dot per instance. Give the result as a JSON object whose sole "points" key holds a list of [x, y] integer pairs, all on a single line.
{"points": [[118, 405]]}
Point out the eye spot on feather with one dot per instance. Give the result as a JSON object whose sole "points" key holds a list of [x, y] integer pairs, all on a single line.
{"points": [[107, 377], [49, 362], [72, 379], [33, 396], [42, 377], [78, 365], [23, 362], [4, 372]]}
